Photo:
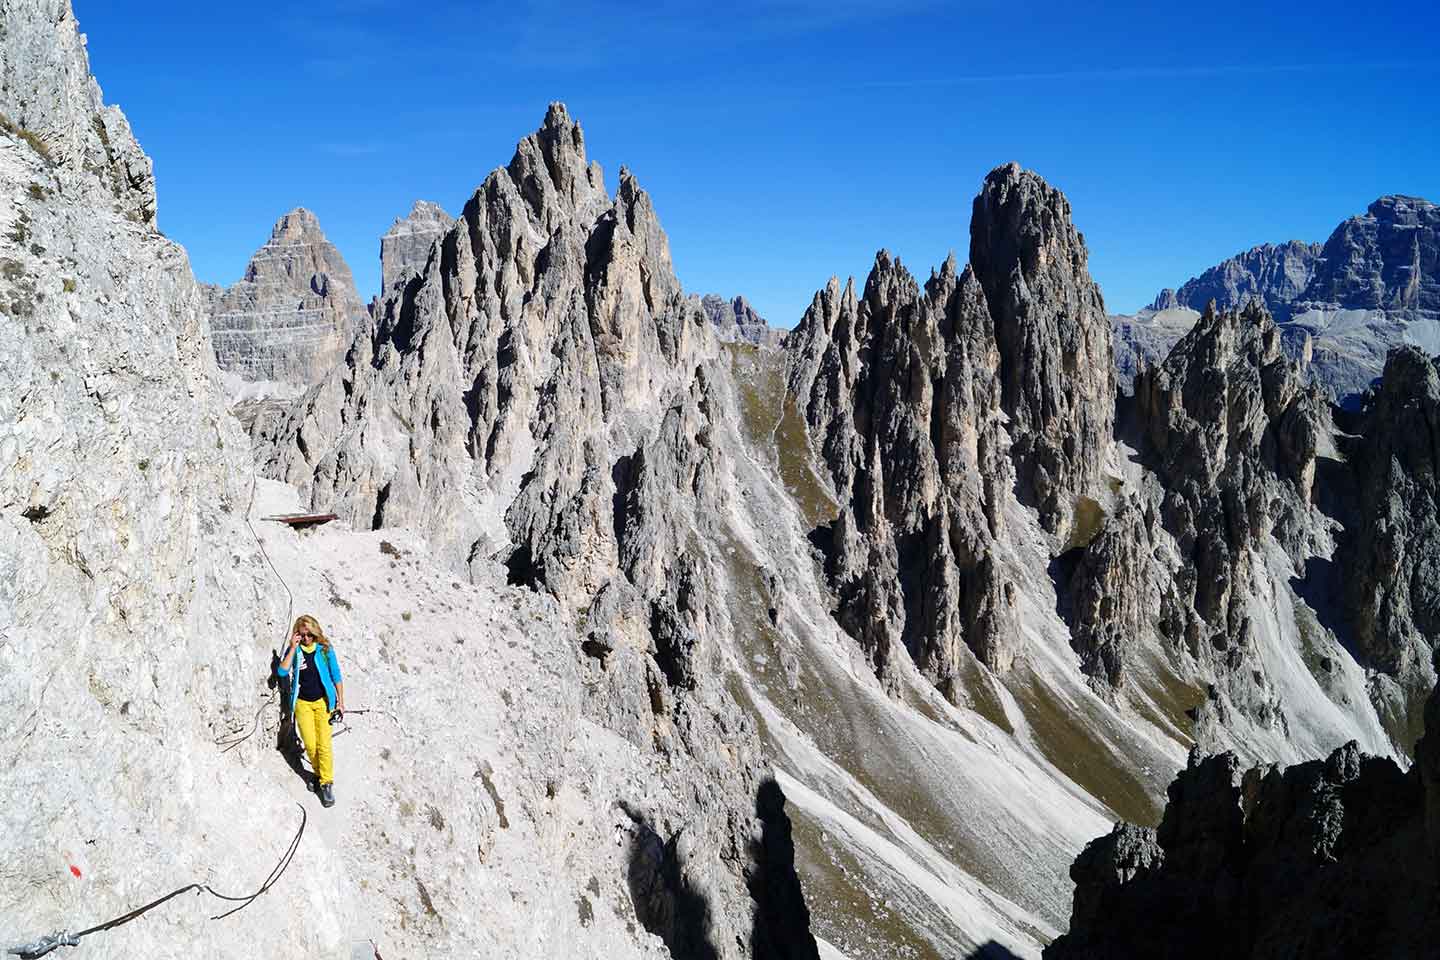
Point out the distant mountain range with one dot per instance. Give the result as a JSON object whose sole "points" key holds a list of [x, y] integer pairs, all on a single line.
{"points": [[1341, 305]]}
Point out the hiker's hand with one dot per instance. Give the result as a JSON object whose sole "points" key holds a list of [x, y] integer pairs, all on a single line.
{"points": [[338, 715], [294, 640]]}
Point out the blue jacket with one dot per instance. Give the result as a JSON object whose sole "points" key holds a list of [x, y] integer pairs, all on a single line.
{"points": [[326, 664]]}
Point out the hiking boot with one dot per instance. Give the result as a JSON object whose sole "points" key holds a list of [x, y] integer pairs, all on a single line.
{"points": [[327, 795]]}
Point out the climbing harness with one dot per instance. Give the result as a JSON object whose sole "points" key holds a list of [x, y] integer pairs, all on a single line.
{"points": [[32, 951]]}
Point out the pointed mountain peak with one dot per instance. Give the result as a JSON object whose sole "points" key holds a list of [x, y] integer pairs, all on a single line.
{"points": [[298, 226], [405, 247]]}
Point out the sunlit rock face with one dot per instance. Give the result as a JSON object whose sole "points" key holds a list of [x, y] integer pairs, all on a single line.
{"points": [[407, 244], [1056, 362], [1341, 306], [291, 317]]}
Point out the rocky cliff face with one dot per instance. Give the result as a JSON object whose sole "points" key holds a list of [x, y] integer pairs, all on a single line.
{"points": [[1057, 365], [1388, 259], [1340, 305], [1233, 434], [902, 390], [1329, 858], [136, 609], [735, 320], [131, 595], [290, 318], [539, 394], [406, 245], [49, 100], [1274, 275], [1394, 544]]}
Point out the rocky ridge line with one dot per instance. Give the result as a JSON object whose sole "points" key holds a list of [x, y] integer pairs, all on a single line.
{"points": [[736, 321], [1274, 274], [1341, 305]]}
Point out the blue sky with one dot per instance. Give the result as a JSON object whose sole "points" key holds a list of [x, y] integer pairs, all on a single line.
{"points": [[785, 142]]}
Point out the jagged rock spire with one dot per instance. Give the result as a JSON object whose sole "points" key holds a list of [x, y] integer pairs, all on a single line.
{"points": [[1056, 359]]}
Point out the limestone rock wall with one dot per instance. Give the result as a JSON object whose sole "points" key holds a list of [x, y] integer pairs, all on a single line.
{"points": [[134, 605], [1273, 274], [1386, 259], [406, 245], [50, 101], [901, 390], [542, 393], [292, 315], [1393, 592], [1057, 363]]}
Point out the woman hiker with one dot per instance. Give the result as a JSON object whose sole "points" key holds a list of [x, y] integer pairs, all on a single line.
{"points": [[315, 691]]}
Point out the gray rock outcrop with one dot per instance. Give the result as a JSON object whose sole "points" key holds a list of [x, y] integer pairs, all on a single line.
{"points": [[541, 393], [292, 315], [735, 320], [1273, 274], [1341, 305], [1232, 433], [1394, 549], [50, 101], [1053, 335], [1328, 858], [406, 245], [902, 391], [1387, 259]]}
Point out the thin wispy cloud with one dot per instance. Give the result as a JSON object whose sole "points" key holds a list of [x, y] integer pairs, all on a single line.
{"points": [[1145, 73]]}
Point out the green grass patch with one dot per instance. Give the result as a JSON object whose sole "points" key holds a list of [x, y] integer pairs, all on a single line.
{"points": [[1063, 734], [1089, 519], [36, 144]]}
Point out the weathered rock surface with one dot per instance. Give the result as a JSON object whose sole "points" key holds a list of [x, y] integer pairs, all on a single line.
{"points": [[1056, 360], [735, 320], [51, 102], [1273, 274], [901, 389], [1329, 858], [1232, 433], [1341, 306], [539, 393], [1393, 552], [130, 594], [406, 245], [1387, 259], [136, 610], [292, 315]]}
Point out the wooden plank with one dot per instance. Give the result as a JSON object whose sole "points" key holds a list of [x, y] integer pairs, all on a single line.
{"points": [[303, 519]]}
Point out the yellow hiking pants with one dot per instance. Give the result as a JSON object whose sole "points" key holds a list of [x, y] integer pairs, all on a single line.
{"points": [[313, 719]]}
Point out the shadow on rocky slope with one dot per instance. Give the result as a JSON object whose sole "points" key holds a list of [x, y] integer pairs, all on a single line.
{"points": [[1329, 858], [668, 905], [992, 951]]}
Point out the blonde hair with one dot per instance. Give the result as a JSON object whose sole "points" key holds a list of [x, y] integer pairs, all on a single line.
{"points": [[311, 626]]}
